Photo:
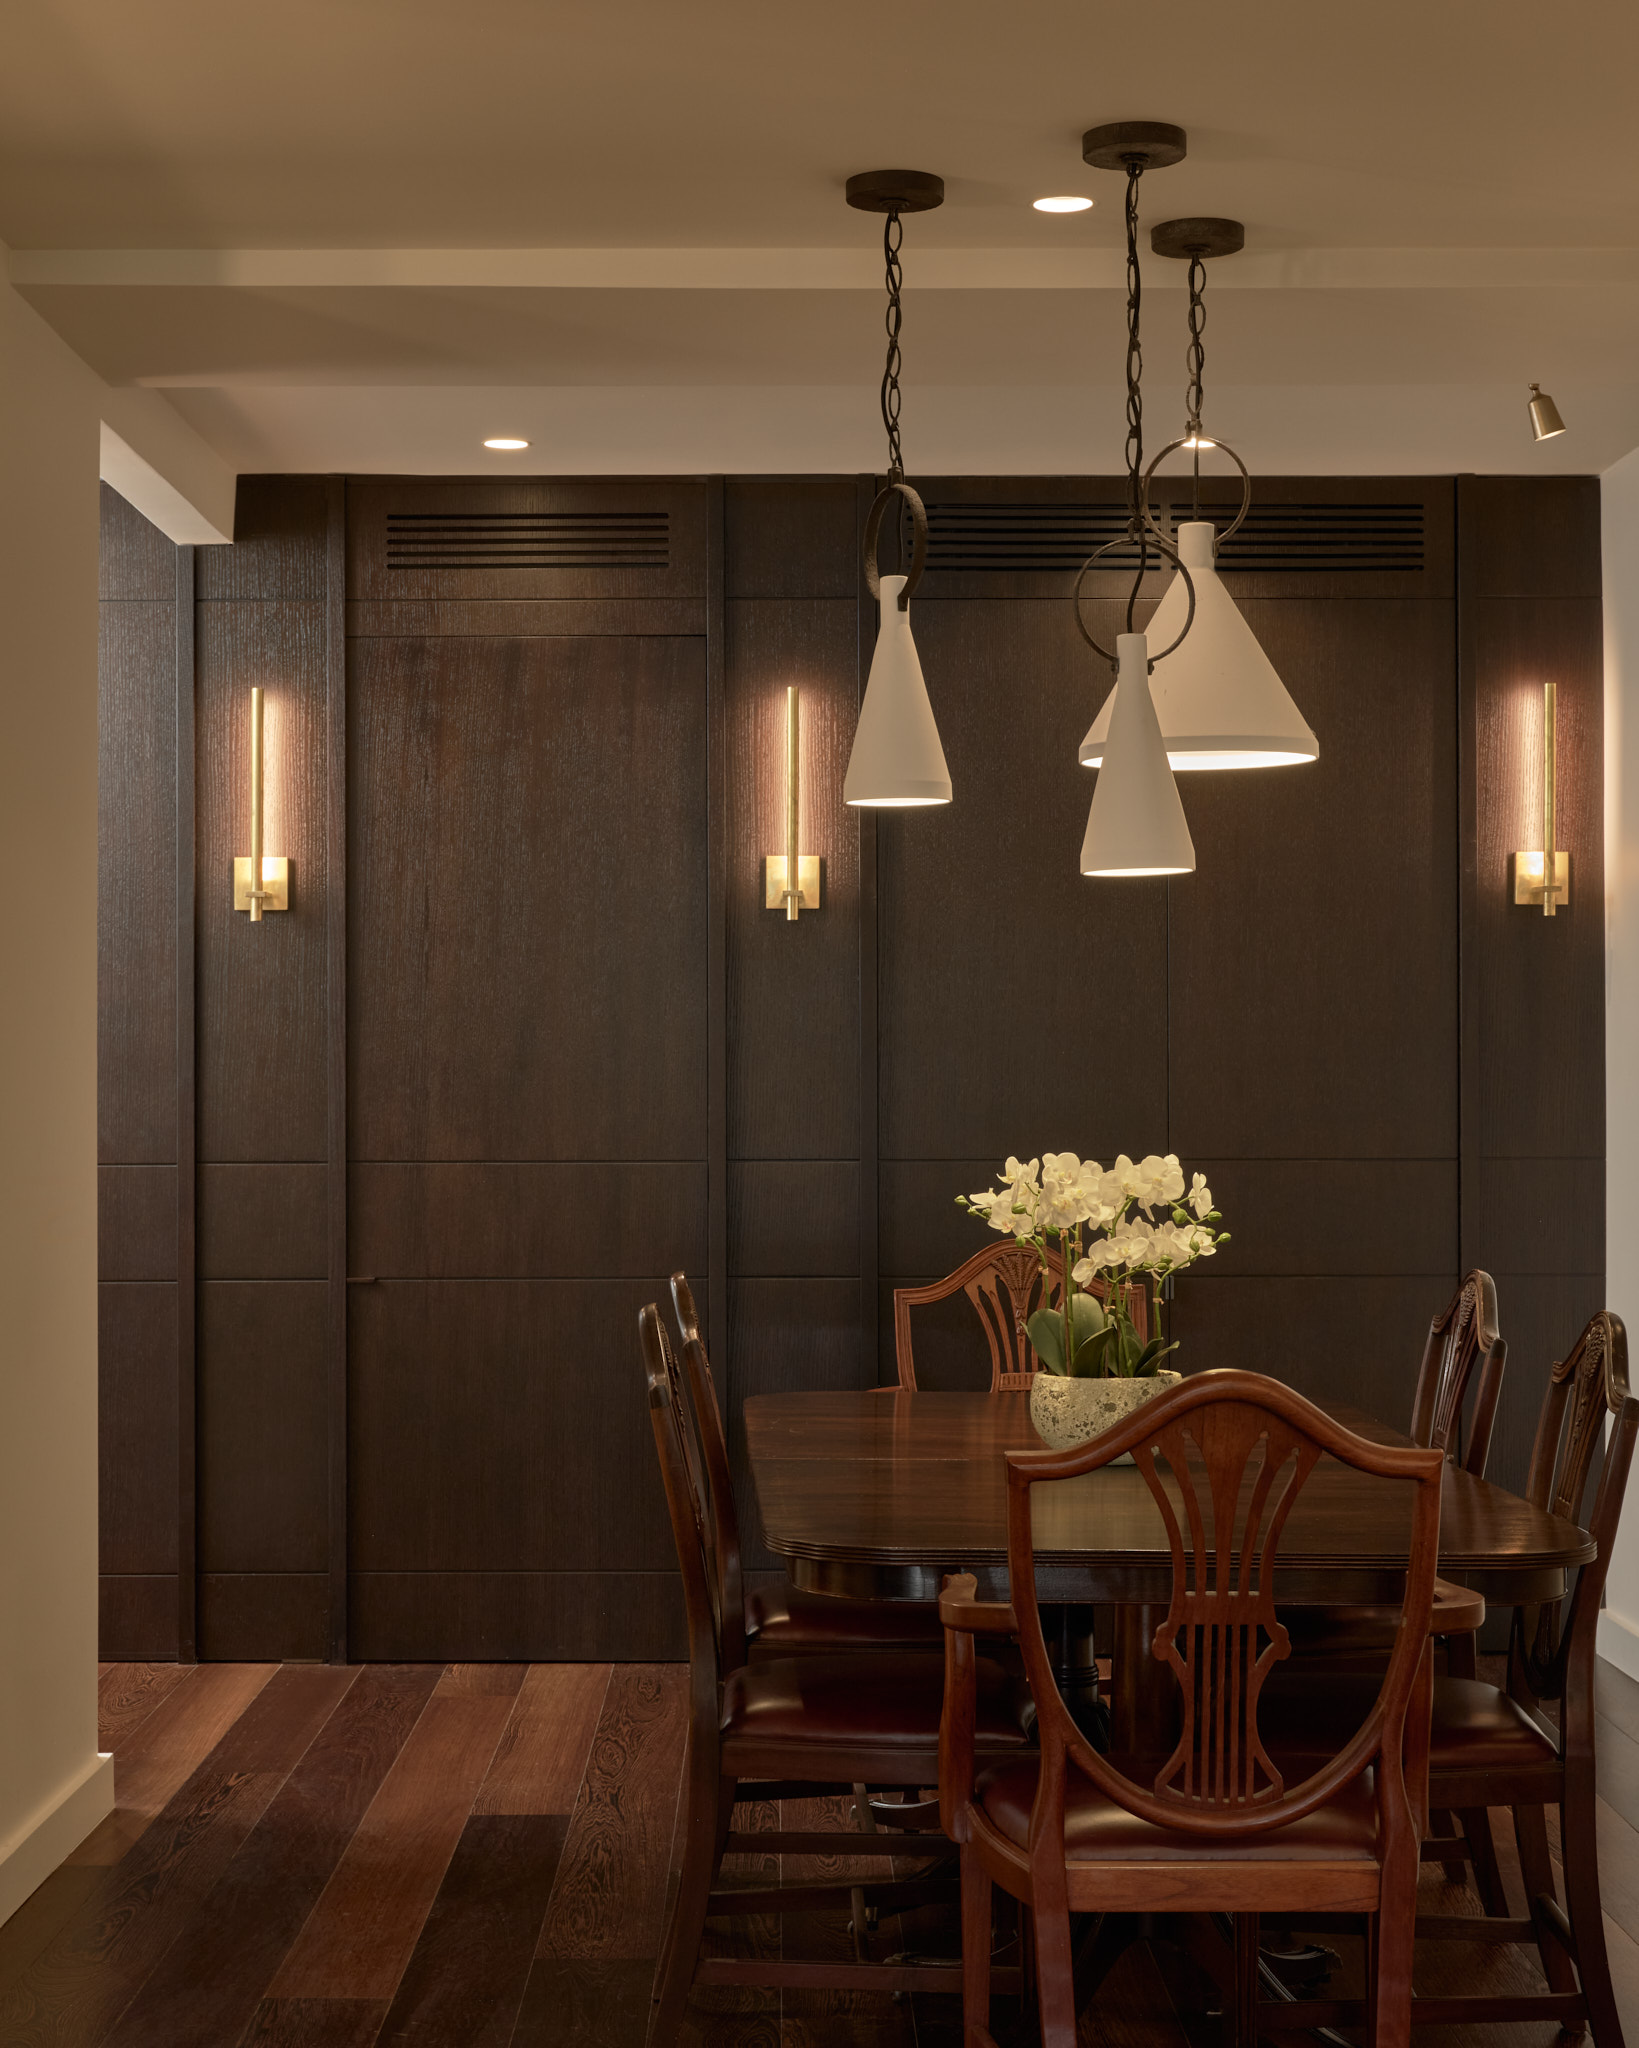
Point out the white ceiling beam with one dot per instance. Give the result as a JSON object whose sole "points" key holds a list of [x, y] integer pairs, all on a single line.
{"points": [[814, 269]]}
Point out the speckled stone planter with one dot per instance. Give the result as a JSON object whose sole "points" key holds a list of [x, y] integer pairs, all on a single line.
{"points": [[1067, 1412]]}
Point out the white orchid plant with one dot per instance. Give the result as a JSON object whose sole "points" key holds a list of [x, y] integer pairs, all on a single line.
{"points": [[1122, 1223]]}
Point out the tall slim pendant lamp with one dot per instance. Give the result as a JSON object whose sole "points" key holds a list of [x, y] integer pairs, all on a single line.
{"points": [[1220, 702], [897, 762], [1136, 825]]}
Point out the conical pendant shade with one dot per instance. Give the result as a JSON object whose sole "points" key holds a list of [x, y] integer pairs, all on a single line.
{"points": [[897, 759], [1219, 700], [1136, 825]]}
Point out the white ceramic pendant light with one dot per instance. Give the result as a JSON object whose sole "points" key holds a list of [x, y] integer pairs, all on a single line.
{"points": [[1219, 700], [897, 762], [1137, 824]]}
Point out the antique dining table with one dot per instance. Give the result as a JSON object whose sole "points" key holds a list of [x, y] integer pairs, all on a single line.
{"points": [[882, 1493]]}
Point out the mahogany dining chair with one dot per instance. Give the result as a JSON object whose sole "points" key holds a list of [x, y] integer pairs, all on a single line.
{"points": [[1212, 1824], [1464, 1352], [1495, 1745], [789, 1728], [773, 1621], [1006, 1284]]}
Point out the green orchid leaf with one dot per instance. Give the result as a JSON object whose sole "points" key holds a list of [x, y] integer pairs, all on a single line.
{"points": [[1088, 1363], [1087, 1317], [1045, 1330], [1147, 1369]]}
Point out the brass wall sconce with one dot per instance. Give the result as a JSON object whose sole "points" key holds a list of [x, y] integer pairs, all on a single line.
{"points": [[1531, 869], [271, 888], [778, 892]]}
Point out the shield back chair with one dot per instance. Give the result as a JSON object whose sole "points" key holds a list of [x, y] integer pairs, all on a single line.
{"points": [[1212, 1825], [788, 1728], [1496, 1746], [773, 1621], [1465, 1349], [1006, 1285], [1464, 1353]]}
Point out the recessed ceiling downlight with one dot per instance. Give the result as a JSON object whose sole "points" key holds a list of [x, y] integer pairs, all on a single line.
{"points": [[1067, 204], [507, 441]]}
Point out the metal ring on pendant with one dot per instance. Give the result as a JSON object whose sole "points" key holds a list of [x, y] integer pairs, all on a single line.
{"points": [[919, 541], [1171, 553], [1234, 525]]}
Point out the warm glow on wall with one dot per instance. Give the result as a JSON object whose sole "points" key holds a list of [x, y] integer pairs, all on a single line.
{"points": [[270, 890]]}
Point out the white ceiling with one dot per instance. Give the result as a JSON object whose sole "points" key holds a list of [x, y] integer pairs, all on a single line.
{"points": [[362, 233]]}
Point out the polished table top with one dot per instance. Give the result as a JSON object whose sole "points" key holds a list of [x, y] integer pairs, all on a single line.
{"points": [[883, 1492]]}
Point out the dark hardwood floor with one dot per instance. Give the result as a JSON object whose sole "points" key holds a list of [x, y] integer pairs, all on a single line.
{"points": [[476, 1857]]}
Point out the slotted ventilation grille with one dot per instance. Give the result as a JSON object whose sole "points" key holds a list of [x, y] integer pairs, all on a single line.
{"points": [[528, 540], [1284, 539]]}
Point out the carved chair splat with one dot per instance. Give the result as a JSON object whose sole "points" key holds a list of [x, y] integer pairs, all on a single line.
{"points": [[1215, 1820], [1006, 1285]]}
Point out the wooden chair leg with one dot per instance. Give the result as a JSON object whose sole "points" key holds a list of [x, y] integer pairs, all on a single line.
{"points": [[1055, 1977], [1587, 1917], [976, 1891], [1395, 1938], [1373, 1923], [1247, 1959], [697, 1872], [1476, 1826], [1537, 1870]]}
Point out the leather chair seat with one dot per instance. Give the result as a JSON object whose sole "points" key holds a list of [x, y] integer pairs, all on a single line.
{"points": [[1096, 1829], [782, 1622], [1474, 1726], [875, 1700], [1478, 1727]]}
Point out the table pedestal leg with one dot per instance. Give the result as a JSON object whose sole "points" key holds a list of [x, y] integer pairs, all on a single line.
{"points": [[1074, 1657], [1143, 1690]]}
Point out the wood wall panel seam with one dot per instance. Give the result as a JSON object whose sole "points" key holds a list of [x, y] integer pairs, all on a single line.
{"points": [[716, 993], [186, 1142], [336, 1237]]}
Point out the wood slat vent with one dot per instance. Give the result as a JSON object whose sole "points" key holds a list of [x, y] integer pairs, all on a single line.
{"points": [[529, 540], [1287, 539]]}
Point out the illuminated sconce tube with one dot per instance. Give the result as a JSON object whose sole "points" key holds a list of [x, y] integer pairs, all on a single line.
{"points": [[261, 881], [791, 880], [1532, 869]]}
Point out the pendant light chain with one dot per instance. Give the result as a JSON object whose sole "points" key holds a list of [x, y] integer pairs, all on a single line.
{"points": [[1195, 363], [1135, 393], [892, 235], [1195, 355]]}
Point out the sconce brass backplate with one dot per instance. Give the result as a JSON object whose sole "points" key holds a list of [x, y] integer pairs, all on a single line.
{"points": [[810, 881], [275, 882], [1528, 878]]}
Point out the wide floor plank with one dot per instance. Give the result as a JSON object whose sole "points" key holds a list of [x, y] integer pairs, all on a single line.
{"points": [[128, 1693], [541, 1759], [77, 1987], [359, 1936], [609, 1900], [314, 2023], [167, 1748], [594, 2004], [210, 1981], [464, 1983]]}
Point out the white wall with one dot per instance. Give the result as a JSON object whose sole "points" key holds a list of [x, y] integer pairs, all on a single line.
{"points": [[1619, 1625], [54, 1788]]}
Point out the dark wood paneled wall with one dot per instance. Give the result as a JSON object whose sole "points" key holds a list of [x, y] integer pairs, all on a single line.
{"points": [[1533, 988], [528, 1039]]}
